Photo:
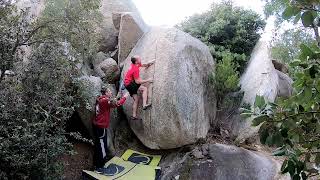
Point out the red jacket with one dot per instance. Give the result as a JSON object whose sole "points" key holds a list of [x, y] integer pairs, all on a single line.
{"points": [[103, 106]]}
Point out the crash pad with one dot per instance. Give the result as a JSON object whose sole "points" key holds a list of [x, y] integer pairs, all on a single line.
{"points": [[132, 165]]}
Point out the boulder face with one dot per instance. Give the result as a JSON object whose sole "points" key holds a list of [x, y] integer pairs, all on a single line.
{"points": [[109, 31], [260, 77], [183, 103], [263, 78], [130, 31]]}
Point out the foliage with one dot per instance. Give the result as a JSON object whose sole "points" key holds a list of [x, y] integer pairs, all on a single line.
{"points": [[226, 78], [293, 124], [226, 28], [33, 113], [36, 103], [286, 46], [231, 34], [304, 11], [71, 22]]}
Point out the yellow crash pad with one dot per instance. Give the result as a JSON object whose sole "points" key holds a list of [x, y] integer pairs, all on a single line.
{"points": [[120, 169]]}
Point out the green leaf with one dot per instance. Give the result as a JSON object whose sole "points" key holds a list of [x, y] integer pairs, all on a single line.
{"points": [[307, 94], [295, 63], [277, 139], [308, 18], [284, 165], [269, 140], [306, 50], [259, 101], [279, 152], [246, 115], [318, 85], [244, 110], [295, 138], [289, 12], [259, 119], [313, 71]]}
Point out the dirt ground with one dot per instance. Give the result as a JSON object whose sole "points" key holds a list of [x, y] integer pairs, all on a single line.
{"points": [[74, 164]]}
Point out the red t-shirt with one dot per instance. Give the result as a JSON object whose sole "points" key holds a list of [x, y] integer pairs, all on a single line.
{"points": [[103, 106], [132, 74]]}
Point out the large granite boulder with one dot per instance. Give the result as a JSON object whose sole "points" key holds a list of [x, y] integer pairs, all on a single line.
{"points": [[183, 102], [108, 30], [260, 77], [263, 79], [221, 162]]}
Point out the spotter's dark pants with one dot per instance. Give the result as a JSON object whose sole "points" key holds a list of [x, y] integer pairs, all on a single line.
{"points": [[101, 153]]}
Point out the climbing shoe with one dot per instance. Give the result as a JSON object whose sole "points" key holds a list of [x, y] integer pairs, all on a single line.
{"points": [[146, 106]]}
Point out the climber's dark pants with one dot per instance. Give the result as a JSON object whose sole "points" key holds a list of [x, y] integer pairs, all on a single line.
{"points": [[101, 153]]}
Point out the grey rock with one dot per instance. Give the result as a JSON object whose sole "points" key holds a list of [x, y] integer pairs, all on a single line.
{"points": [[205, 149], [285, 88], [108, 31], [89, 89], [197, 154], [183, 103], [108, 70], [131, 30], [100, 56], [231, 162], [260, 77]]}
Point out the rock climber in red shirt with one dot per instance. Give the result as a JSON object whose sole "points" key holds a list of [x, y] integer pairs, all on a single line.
{"points": [[134, 83], [101, 122]]}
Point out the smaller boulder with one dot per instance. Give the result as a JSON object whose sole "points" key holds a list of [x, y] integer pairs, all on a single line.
{"points": [[284, 85], [108, 70], [89, 89], [100, 56], [231, 162]]}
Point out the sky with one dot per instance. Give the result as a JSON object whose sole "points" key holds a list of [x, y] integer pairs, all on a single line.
{"points": [[172, 12]]}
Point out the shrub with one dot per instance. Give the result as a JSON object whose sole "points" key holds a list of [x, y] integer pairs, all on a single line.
{"points": [[226, 78]]}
